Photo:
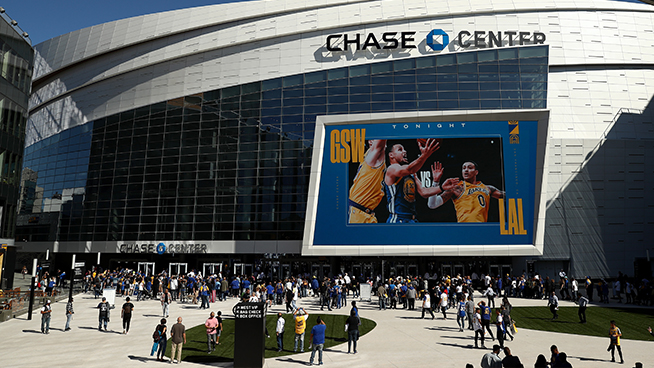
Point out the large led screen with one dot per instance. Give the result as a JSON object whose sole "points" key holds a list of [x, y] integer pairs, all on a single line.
{"points": [[441, 183]]}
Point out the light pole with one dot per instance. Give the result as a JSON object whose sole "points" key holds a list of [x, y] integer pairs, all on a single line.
{"points": [[72, 278], [29, 312]]}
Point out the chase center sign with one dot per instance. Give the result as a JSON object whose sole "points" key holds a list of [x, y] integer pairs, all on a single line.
{"points": [[437, 40]]}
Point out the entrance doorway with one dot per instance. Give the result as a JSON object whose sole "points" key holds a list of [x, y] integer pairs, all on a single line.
{"points": [[367, 271], [177, 268], [211, 268], [146, 268]]}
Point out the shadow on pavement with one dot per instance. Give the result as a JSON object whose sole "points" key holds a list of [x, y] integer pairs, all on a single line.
{"points": [[468, 347], [32, 331], [589, 359], [442, 328], [141, 359], [458, 337], [291, 360], [408, 317]]}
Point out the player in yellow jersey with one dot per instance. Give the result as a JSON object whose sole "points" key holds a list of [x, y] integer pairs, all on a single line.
{"points": [[366, 192], [471, 197]]}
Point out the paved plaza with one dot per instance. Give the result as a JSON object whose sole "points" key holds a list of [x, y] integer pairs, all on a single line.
{"points": [[401, 339]]}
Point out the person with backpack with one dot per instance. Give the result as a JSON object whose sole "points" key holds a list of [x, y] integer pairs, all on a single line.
{"points": [[160, 341], [126, 314], [103, 316]]}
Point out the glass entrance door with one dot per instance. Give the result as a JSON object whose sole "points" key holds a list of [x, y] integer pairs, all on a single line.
{"points": [[239, 269], [286, 270], [494, 270], [367, 271], [211, 268], [446, 269], [413, 270], [177, 268], [356, 270], [146, 267]]}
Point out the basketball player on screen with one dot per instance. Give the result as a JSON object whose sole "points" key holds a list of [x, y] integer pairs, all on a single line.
{"points": [[471, 197], [401, 185], [366, 192]]}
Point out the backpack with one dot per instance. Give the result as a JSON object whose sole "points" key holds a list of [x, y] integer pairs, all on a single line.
{"points": [[157, 334]]}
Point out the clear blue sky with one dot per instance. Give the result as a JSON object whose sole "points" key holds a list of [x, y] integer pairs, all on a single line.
{"points": [[44, 19]]}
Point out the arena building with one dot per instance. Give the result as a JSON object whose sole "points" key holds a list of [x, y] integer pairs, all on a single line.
{"points": [[229, 137]]}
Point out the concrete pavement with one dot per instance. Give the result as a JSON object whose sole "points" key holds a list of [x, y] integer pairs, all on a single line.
{"points": [[401, 339]]}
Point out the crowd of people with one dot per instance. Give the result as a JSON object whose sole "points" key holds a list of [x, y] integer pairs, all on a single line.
{"points": [[449, 297]]}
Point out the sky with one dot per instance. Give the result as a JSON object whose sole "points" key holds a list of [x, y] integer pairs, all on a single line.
{"points": [[45, 19]]}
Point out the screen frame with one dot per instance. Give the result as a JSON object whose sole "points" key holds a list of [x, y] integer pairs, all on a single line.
{"points": [[535, 249]]}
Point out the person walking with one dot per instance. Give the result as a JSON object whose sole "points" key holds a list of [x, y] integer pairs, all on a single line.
{"points": [[160, 340], [426, 305], [444, 298], [178, 339], [553, 303], [352, 326], [126, 314], [470, 311], [165, 302], [461, 314], [212, 326], [300, 326], [317, 340], [103, 314], [615, 334], [411, 297], [583, 304], [478, 327], [204, 296], [499, 324], [486, 318], [279, 330], [381, 293], [69, 314], [46, 312]]}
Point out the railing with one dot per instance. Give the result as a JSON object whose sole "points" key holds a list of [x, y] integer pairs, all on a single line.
{"points": [[16, 302]]}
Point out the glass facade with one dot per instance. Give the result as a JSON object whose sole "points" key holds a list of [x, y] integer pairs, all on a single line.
{"points": [[16, 60], [234, 163]]}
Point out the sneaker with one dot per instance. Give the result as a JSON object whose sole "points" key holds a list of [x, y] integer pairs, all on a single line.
{"points": [[355, 352], [123, 331]]}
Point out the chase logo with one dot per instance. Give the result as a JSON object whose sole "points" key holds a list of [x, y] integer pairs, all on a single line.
{"points": [[161, 248], [432, 37]]}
